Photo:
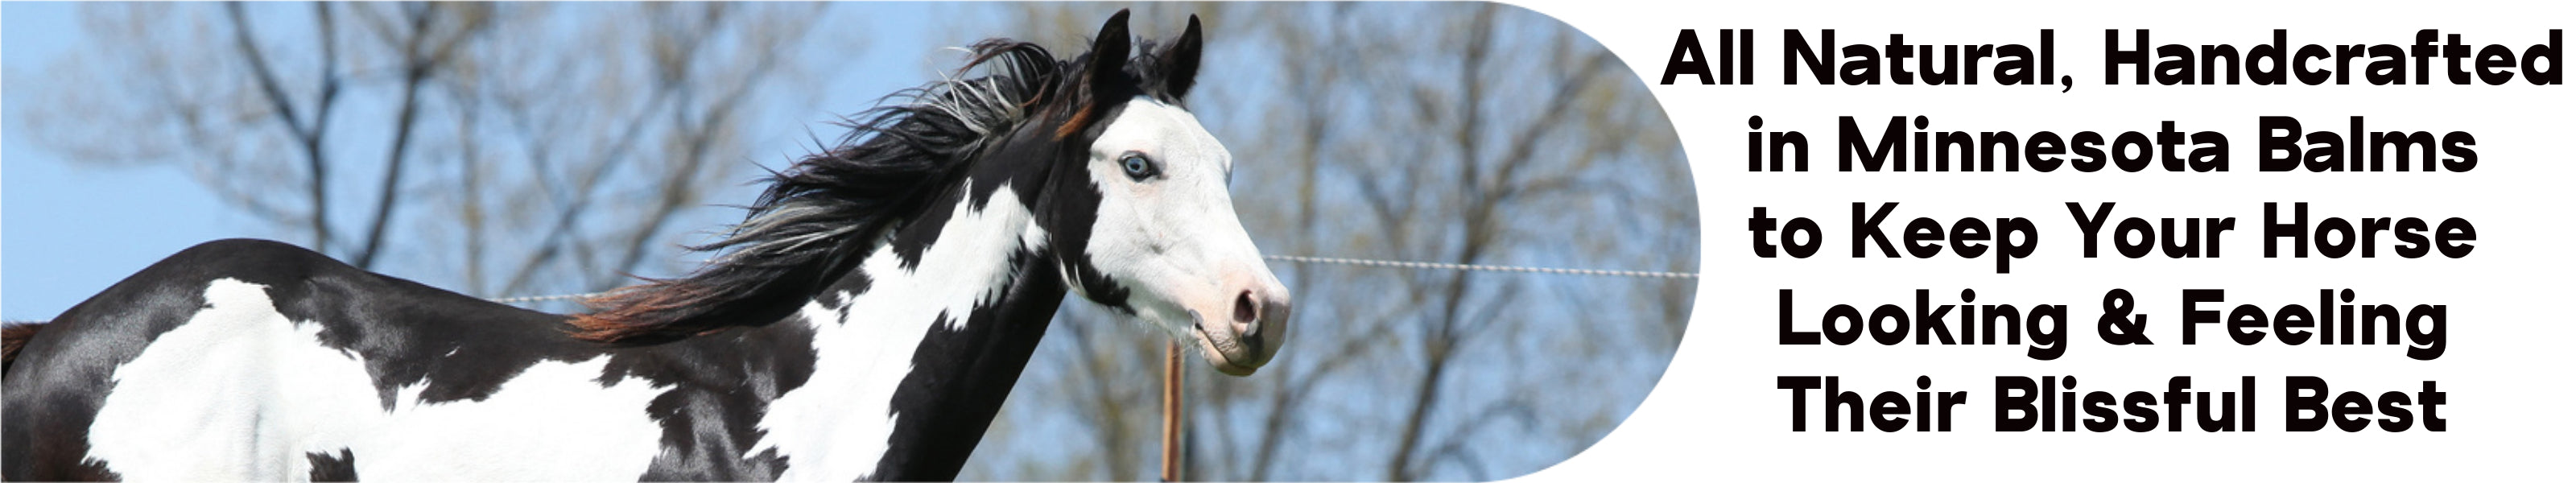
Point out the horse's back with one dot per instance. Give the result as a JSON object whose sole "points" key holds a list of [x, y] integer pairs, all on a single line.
{"points": [[251, 359]]}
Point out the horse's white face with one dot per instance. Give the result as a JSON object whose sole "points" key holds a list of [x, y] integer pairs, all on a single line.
{"points": [[1166, 232]]}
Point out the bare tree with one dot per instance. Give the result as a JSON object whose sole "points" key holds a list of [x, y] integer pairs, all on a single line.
{"points": [[433, 133]]}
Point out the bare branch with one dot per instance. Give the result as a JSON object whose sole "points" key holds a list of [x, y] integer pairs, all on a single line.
{"points": [[417, 66], [316, 165]]}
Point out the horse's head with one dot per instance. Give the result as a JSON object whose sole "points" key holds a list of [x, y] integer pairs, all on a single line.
{"points": [[1142, 221]]}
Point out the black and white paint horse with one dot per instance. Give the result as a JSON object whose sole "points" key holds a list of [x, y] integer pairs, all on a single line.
{"points": [[864, 322]]}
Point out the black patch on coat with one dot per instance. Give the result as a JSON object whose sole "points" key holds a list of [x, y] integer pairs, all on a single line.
{"points": [[721, 385], [919, 232], [961, 376], [1100, 288], [327, 467], [404, 331], [855, 282], [461, 347], [1068, 210]]}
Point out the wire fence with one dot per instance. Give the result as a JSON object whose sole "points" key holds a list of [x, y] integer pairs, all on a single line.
{"points": [[1361, 262], [1479, 268]]}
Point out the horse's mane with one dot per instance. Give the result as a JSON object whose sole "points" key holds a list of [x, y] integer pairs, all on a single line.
{"points": [[12, 338], [823, 213]]}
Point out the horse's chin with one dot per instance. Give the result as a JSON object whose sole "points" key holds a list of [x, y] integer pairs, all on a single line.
{"points": [[1222, 352]]}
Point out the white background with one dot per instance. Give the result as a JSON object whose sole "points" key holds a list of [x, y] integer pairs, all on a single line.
{"points": [[1717, 413]]}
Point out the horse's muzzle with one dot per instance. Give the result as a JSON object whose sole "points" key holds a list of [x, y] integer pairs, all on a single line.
{"points": [[1250, 332]]}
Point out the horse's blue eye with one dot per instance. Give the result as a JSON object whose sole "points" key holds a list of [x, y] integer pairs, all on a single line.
{"points": [[1138, 167]]}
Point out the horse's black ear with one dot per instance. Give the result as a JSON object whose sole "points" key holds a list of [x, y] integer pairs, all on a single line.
{"points": [[1181, 62], [1109, 51], [1108, 70]]}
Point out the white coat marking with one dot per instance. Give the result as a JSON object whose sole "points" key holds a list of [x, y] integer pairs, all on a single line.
{"points": [[240, 392], [838, 426]]}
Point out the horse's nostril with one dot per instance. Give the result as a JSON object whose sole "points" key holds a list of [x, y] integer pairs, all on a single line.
{"points": [[1246, 313]]}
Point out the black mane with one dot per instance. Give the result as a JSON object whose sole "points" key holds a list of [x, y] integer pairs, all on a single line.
{"points": [[824, 213]]}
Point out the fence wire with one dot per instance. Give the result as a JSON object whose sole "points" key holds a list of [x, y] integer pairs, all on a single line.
{"points": [[1478, 268]]}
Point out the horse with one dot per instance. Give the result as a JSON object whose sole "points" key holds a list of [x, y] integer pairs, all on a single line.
{"points": [[865, 320]]}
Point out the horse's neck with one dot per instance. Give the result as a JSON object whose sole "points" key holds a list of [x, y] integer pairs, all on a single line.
{"points": [[915, 349]]}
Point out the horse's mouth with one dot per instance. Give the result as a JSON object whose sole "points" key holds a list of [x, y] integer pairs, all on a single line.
{"points": [[1222, 351]]}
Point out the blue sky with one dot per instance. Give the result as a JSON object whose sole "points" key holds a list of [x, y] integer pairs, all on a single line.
{"points": [[69, 231]]}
